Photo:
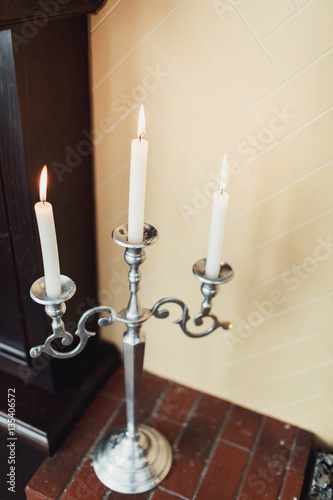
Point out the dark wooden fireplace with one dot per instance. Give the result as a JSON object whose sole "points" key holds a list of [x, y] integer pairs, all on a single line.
{"points": [[45, 119]]}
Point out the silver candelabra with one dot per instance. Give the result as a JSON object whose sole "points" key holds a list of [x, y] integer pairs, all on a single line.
{"points": [[134, 458]]}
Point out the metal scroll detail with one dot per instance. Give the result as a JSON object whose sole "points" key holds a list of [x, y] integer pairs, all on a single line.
{"points": [[185, 317], [59, 332]]}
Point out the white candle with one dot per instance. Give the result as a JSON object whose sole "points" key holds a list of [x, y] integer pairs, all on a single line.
{"points": [[137, 188], [48, 240], [217, 227]]}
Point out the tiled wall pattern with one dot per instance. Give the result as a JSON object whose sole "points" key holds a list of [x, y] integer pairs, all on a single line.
{"points": [[252, 79]]}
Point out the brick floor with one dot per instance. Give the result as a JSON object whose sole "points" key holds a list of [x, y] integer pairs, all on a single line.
{"points": [[221, 451]]}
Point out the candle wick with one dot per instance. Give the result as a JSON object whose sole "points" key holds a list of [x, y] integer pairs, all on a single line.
{"points": [[141, 135], [222, 189]]}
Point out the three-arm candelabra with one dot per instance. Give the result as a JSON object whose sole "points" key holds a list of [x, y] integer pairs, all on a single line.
{"points": [[134, 458]]}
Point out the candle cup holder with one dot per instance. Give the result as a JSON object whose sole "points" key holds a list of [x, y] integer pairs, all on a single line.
{"points": [[136, 457]]}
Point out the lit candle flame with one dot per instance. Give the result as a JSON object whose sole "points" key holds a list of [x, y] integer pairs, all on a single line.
{"points": [[43, 184], [223, 174], [141, 123]]}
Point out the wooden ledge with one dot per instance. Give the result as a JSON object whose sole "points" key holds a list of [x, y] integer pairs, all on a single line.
{"points": [[36, 11]]}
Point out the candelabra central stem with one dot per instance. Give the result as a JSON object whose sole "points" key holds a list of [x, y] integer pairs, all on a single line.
{"points": [[134, 258], [133, 342], [133, 348]]}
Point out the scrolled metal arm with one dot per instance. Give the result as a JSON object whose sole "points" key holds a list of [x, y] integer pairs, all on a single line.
{"points": [[59, 331], [185, 317], [209, 290]]}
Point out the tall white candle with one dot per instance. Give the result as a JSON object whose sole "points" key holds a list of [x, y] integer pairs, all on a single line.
{"points": [[48, 240], [217, 227], [137, 188]]}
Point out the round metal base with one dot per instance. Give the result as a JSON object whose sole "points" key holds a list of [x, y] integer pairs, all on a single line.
{"points": [[128, 465]]}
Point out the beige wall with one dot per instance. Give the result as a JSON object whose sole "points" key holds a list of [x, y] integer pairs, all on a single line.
{"points": [[252, 79]]}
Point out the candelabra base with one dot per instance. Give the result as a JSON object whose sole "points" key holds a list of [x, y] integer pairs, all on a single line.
{"points": [[132, 465]]}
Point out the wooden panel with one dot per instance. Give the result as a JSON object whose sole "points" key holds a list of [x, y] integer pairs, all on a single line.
{"points": [[45, 120], [21, 241], [11, 321], [34, 14]]}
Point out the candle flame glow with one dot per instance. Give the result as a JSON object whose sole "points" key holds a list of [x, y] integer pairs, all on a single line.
{"points": [[141, 123], [43, 184], [223, 174]]}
